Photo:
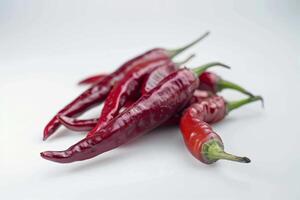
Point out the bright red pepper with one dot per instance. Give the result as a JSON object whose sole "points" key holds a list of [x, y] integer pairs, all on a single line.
{"points": [[98, 92], [151, 110], [199, 137]]}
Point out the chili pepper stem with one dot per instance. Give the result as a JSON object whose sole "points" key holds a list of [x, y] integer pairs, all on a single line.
{"points": [[223, 84], [175, 52], [185, 60], [236, 104], [201, 69], [213, 150]]}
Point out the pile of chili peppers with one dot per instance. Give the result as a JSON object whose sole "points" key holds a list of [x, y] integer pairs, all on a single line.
{"points": [[146, 92]]}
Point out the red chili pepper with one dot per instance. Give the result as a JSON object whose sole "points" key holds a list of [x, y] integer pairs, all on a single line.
{"points": [[93, 79], [89, 124], [98, 92], [212, 82], [126, 89], [209, 81], [147, 113], [200, 139]]}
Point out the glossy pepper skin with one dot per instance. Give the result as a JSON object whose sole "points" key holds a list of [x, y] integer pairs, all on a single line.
{"points": [[98, 92], [114, 102], [212, 82], [93, 79], [156, 76], [147, 113], [199, 137], [89, 124], [124, 90]]}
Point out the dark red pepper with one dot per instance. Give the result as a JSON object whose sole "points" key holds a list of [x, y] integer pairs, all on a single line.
{"points": [[126, 89], [89, 124], [93, 79], [200, 139], [212, 82], [98, 92], [151, 110]]}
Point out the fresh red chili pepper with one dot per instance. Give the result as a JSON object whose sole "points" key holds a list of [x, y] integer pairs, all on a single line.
{"points": [[212, 82], [93, 79], [151, 110], [200, 139], [89, 124], [99, 91]]}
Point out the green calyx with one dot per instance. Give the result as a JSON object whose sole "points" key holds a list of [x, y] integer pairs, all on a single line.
{"points": [[223, 84], [213, 150], [231, 105], [175, 52], [199, 70]]}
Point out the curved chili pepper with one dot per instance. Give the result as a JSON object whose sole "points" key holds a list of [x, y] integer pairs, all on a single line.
{"points": [[126, 89], [209, 81], [93, 79], [99, 91], [212, 82], [147, 113], [200, 139], [89, 124]]}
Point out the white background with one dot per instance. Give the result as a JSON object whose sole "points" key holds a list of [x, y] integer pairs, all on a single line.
{"points": [[47, 46]]}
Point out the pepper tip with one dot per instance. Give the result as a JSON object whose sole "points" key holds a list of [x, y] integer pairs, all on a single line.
{"points": [[245, 160]]}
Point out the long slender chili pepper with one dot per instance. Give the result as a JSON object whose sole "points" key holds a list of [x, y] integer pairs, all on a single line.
{"points": [[93, 79], [200, 139], [89, 124], [212, 82], [145, 114], [99, 91], [208, 81], [127, 88]]}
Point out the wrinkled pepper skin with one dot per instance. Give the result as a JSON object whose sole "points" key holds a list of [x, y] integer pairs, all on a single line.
{"points": [[194, 124], [199, 137], [126, 89], [209, 81], [156, 76], [89, 124], [150, 111], [196, 132], [98, 92]]}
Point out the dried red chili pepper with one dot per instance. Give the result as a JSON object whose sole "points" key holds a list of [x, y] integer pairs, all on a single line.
{"points": [[89, 124], [212, 82], [93, 79], [99, 91], [151, 110], [209, 81], [200, 139], [128, 88]]}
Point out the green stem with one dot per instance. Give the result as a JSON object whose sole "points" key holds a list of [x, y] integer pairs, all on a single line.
{"points": [[236, 104], [185, 60], [213, 150], [201, 69], [175, 52], [223, 84]]}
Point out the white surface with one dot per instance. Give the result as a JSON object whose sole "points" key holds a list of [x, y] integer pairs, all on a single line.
{"points": [[47, 46]]}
